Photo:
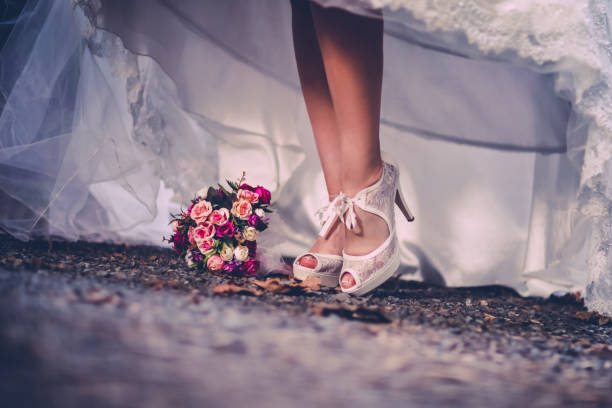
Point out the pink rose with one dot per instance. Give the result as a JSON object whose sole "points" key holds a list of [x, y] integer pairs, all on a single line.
{"points": [[200, 211], [191, 236], [242, 209], [203, 231], [206, 246], [214, 263], [220, 216], [264, 195], [247, 195], [226, 230]]}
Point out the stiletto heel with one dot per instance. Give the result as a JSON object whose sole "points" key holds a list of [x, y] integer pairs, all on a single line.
{"points": [[401, 203], [399, 196]]}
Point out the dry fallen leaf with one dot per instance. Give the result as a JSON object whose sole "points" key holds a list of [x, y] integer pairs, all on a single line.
{"points": [[289, 287], [311, 283], [603, 320], [273, 285], [229, 289], [583, 315], [488, 317]]}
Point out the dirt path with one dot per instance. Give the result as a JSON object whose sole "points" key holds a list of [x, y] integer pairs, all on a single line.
{"points": [[102, 325]]}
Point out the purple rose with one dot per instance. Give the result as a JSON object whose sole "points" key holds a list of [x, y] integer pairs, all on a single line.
{"points": [[226, 230], [257, 222], [230, 267], [245, 186], [264, 195]]}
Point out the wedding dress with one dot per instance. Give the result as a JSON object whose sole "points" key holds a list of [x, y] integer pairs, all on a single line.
{"points": [[498, 112]]}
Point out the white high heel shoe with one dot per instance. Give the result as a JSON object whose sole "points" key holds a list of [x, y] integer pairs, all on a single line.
{"points": [[328, 266], [372, 269]]}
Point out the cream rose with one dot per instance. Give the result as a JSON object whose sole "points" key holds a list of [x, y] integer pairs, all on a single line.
{"points": [[200, 211], [227, 252], [203, 192], [204, 231], [241, 253], [260, 213], [249, 233], [242, 209], [220, 216], [206, 246], [247, 195], [214, 263], [189, 259], [175, 226]]}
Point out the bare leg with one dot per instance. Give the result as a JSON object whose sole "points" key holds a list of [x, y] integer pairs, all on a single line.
{"points": [[322, 118], [351, 47]]}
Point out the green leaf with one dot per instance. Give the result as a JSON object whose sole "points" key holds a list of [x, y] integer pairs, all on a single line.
{"points": [[233, 185]]}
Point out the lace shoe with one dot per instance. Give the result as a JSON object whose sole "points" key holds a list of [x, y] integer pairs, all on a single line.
{"points": [[372, 269]]}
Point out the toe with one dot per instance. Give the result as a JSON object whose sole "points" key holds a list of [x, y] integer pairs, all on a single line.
{"points": [[308, 261], [347, 281]]}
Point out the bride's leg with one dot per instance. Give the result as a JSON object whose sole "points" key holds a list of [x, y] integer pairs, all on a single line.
{"points": [[351, 47], [321, 114]]}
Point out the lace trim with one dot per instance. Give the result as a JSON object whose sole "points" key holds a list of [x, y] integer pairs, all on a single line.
{"points": [[364, 269]]}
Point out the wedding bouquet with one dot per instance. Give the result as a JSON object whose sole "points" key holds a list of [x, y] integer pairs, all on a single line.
{"points": [[218, 231]]}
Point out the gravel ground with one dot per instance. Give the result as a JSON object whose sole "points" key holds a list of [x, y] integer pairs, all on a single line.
{"points": [[102, 325]]}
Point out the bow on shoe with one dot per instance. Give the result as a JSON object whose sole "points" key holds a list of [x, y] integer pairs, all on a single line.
{"points": [[328, 214], [349, 217], [342, 207]]}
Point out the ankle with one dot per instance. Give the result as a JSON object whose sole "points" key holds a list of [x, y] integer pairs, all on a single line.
{"points": [[353, 185], [336, 236]]}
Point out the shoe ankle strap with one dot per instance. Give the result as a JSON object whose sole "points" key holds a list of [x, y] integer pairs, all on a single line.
{"points": [[328, 213]]}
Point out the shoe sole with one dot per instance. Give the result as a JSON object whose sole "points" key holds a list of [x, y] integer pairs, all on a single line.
{"points": [[326, 280], [377, 279]]}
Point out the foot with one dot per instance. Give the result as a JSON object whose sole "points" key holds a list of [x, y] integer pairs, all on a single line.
{"points": [[370, 233], [332, 245]]}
